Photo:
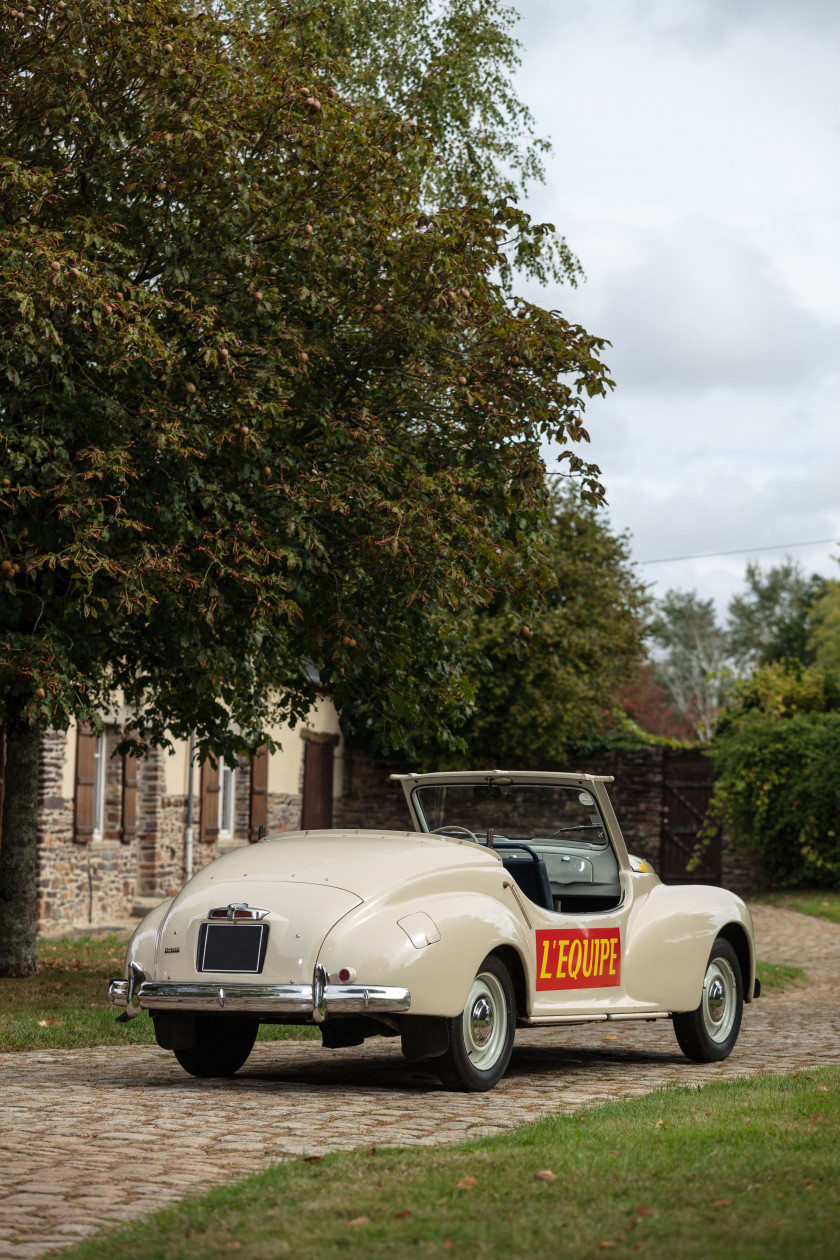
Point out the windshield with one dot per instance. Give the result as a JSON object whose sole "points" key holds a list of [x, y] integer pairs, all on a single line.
{"points": [[548, 813]]}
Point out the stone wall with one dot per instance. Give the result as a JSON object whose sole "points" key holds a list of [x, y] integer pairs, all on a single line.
{"points": [[371, 800], [82, 883], [740, 873], [284, 811], [636, 795]]}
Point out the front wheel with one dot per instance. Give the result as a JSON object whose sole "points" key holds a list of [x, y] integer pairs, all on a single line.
{"points": [[222, 1044], [708, 1034], [481, 1037]]}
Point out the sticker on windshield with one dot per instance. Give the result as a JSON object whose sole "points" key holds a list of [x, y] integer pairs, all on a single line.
{"points": [[586, 799], [577, 958]]}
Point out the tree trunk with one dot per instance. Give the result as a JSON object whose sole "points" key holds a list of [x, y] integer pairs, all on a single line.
{"points": [[19, 844]]}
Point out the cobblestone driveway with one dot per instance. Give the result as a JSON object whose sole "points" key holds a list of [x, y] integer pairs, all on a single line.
{"points": [[92, 1137]]}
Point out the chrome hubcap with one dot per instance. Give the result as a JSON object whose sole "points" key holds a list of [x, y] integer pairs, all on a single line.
{"points": [[720, 996], [482, 1021], [485, 1021], [717, 1000]]}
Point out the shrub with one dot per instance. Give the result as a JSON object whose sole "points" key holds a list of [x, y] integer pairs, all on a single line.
{"points": [[778, 790]]}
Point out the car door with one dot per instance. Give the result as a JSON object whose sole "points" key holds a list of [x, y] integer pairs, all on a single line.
{"points": [[581, 946]]}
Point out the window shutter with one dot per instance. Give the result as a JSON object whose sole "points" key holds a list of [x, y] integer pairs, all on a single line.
{"points": [[129, 799], [209, 802], [317, 783], [259, 793], [85, 785]]}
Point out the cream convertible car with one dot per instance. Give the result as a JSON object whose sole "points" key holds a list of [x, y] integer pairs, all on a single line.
{"points": [[513, 903]]}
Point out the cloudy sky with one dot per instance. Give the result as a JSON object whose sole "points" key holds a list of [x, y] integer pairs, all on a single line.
{"points": [[696, 173]]}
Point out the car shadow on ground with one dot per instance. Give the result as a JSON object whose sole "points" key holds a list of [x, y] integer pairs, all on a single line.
{"points": [[384, 1069]]}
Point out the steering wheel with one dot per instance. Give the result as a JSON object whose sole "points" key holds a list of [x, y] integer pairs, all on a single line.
{"points": [[442, 831]]}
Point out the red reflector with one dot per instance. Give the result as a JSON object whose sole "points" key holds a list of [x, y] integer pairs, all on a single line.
{"points": [[344, 975]]}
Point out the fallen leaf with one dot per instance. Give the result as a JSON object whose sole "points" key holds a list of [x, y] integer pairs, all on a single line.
{"points": [[824, 1088], [467, 1183], [312, 1159], [447, 1242], [643, 1211], [606, 1242], [545, 1174], [659, 1124], [611, 1037], [510, 1215], [722, 1203], [817, 1115], [359, 1220], [614, 1152], [398, 1216], [234, 1246], [44, 1023]]}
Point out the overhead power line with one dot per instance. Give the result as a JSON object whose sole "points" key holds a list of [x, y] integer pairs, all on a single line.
{"points": [[737, 551]]}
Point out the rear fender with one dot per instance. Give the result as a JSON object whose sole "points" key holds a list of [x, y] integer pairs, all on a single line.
{"points": [[370, 941]]}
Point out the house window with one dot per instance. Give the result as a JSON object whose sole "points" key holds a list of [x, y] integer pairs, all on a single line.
{"points": [[99, 787], [227, 784]]}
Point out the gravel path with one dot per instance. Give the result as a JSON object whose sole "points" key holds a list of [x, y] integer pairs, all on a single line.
{"points": [[94, 1137]]}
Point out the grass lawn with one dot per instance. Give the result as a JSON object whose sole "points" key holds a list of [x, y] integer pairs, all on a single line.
{"points": [[737, 1169], [66, 1003], [779, 976], [822, 905]]}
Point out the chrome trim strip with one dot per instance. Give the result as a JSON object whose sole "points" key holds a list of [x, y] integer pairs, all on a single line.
{"points": [[268, 999]]}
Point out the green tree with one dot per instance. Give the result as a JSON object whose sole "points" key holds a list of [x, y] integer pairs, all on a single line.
{"points": [[450, 68], [824, 619], [258, 411], [547, 685], [691, 658], [771, 619]]}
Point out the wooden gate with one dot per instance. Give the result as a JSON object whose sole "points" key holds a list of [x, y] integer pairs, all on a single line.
{"points": [[686, 792]]}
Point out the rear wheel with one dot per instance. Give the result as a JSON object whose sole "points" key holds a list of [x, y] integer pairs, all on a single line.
{"points": [[222, 1044], [708, 1034], [481, 1037]]}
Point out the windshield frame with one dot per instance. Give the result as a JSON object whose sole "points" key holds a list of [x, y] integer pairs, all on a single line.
{"points": [[596, 784]]}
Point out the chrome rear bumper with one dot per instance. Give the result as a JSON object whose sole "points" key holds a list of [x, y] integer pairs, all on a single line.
{"points": [[318, 1000]]}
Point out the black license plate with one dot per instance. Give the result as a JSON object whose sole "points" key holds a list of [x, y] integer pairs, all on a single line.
{"points": [[232, 947]]}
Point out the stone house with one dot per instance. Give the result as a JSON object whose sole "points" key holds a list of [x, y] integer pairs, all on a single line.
{"points": [[113, 838]]}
